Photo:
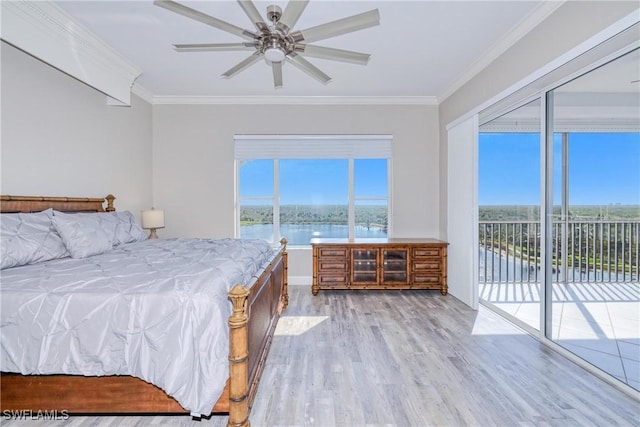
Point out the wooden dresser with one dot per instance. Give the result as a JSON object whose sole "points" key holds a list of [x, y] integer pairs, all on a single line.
{"points": [[379, 264]]}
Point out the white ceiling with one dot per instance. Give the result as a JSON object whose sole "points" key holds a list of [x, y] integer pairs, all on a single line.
{"points": [[420, 48]]}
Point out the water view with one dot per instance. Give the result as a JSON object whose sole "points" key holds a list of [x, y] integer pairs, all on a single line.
{"points": [[498, 267], [301, 223], [301, 234]]}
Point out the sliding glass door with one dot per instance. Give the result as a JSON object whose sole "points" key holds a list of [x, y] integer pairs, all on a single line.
{"points": [[509, 213], [559, 215], [594, 292]]}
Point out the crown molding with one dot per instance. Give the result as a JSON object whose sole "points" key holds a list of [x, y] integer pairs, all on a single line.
{"points": [[142, 92], [48, 33], [517, 32], [295, 100]]}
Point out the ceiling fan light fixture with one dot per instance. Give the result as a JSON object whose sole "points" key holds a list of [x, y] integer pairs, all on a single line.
{"points": [[274, 54]]}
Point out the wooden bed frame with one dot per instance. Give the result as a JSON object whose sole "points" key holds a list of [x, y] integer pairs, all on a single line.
{"points": [[256, 310]]}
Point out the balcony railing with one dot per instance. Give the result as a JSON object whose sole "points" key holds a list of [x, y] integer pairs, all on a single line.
{"points": [[583, 251]]}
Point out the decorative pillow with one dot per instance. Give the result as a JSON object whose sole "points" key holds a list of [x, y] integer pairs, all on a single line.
{"points": [[83, 234], [28, 238], [127, 230]]}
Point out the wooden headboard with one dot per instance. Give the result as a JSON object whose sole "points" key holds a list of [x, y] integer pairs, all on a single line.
{"points": [[14, 204]]}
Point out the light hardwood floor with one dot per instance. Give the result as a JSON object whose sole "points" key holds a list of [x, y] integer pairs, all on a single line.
{"points": [[409, 358]]}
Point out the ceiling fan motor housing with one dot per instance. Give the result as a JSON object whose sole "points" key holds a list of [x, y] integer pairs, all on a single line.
{"points": [[274, 13], [275, 43]]}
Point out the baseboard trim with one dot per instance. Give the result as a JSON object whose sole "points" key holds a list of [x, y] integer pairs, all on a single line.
{"points": [[300, 280]]}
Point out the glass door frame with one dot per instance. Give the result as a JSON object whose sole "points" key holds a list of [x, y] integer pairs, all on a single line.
{"points": [[546, 207], [546, 94], [547, 169], [616, 40], [531, 124], [546, 219]]}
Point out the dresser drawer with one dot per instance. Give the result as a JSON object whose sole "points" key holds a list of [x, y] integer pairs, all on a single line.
{"points": [[329, 265], [419, 279], [332, 280], [333, 252], [426, 265], [426, 252]]}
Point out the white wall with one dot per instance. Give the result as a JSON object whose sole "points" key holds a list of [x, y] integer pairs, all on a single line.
{"points": [[60, 138], [193, 166]]}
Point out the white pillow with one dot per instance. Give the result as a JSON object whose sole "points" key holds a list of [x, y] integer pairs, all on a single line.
{"points": [[28, 238], [83, 234], [127, 230]]}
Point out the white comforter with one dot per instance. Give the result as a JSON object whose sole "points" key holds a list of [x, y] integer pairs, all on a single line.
{"points": [[155, 309]]}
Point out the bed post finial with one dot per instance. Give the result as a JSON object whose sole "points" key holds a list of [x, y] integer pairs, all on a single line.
{"points": [[110, 198], [238, 359]]}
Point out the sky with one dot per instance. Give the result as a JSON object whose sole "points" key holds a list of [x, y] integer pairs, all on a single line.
{"points": [[604, 169], [315, 181]]}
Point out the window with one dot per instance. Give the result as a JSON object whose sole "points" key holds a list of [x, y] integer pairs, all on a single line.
{"points": [[312, 187]]}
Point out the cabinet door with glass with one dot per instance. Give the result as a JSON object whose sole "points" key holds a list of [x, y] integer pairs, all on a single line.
{"points": [[395, 266], [364, 266]]}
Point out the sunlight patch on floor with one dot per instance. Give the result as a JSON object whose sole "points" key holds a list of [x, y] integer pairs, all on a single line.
{"points": [[490, 323], [297, 325]]}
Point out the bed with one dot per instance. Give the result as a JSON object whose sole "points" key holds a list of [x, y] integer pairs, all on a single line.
{"points": [[136, 279]]}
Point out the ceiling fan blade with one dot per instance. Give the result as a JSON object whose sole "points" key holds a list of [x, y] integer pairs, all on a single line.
{"points": [[204, 18], [277, 74], [253, 14], [339, 27], [214, 47], [242, 65], [291, 15], [333, 54], [308, 68]]}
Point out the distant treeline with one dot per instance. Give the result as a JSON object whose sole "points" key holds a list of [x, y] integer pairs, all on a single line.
{"points": [[368, 216], [532, 213], [377, 215]]}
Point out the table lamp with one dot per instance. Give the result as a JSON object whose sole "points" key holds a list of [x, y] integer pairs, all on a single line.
{"points": [[152, 220]]}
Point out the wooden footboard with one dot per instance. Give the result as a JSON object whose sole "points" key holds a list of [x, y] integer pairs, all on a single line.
{"points": [[256, 310]]}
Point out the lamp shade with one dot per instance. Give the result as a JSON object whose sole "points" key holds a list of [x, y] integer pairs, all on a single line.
{"points": [[153, 219]]}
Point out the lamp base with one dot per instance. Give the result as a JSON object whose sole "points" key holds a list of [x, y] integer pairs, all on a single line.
{"points": [[153, 234]]}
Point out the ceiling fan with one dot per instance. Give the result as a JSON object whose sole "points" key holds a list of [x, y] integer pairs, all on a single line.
{"points": [[276, 41]]}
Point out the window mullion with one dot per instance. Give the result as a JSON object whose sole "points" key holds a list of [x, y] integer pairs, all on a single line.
{"points": [[237, 201], [276, 201], [352, 209]]}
